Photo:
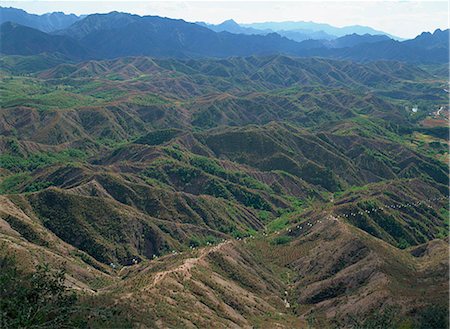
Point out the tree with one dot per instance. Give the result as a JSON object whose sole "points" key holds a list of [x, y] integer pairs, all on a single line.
{"points": [[34, 300]]}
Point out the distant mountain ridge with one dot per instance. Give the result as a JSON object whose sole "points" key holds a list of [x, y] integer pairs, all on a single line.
{"points": [[47, 22], [22, 40], [430, 40], [312, 26], [297, 31], [354, 39], [119, 34], [98, 22], [112, 35], [233, 27]]}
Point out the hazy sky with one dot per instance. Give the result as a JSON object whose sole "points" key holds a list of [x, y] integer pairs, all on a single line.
{"points": [[401, 18]]}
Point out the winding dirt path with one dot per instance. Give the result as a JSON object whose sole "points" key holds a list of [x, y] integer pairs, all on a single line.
{"points": [[188, 264]]}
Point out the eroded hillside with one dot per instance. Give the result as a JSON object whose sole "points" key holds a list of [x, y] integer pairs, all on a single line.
{"points": [[246, 192]]}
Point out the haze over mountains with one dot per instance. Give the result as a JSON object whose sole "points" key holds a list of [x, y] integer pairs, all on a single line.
{"points": [[317, 27], [56, 21], [47, 22], [297, 31], [119, 34]]}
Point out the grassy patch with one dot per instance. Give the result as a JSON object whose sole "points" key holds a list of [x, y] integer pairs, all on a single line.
{"points": [[11, 184], [17, 163], [280, 240]]}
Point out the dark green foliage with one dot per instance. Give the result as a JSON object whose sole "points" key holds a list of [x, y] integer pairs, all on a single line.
{"points": [[433, 317], [264, 215], [387, 318], [174, 153], [158, 137], [212, 167], [94, 226], [28, 64], [439, 132], [37, 186], [40, 299], [216, 189], [183, 174], [38, 160], [26, 230], [34, 300], [430, 317], [249, 198], [280, 240], [208, 165], [202, 241], [12, 183]]}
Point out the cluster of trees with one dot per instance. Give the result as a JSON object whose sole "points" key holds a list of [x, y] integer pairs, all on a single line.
{"points": [[39, 299], [35, 299]]}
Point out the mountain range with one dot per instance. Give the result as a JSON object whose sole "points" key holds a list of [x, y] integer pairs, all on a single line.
{"points": [[119, 34], [297, 31], [47, 22], [317, 27], [296, 34], [55, 21]]}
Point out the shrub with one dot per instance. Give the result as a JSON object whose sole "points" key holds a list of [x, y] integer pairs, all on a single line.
{"points": [[216, 189], [37, 299], [208, 165], [280, 240], [264, 215], [434, 317], [12, 183], [38, 160], [158, 137]]}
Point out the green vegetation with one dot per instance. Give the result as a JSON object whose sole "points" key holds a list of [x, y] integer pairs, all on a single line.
{"points": [[444, 231], [40, 299], [279, 223], [280, 240], [431, 318], [288, 216], [11, 183], [196, 242], [29, 92], [158, 137], [148, 156], [37, 299], [147, 100], [35, 161], [22, 167]]}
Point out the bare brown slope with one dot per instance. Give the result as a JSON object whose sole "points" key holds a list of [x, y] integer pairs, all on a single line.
{"points": [[328, 273], [24, 236], [221, 287], [339, 271]]}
